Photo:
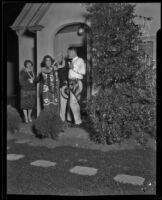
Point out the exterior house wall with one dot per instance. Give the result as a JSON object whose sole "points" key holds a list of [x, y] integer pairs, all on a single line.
{"points": [[150, 10], [61, 14], [26, 46]]}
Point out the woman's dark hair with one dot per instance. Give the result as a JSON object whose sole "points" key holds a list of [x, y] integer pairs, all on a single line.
{"points": [[27, 61], [43, 64]]}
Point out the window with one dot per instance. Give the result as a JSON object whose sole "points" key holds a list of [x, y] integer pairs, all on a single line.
{"points": [[147, 48]]}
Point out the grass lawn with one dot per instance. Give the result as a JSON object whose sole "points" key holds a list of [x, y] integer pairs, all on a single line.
{"points": [[22, 178]]}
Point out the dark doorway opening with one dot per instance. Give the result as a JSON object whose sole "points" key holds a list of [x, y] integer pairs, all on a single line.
{"points": [[82, 53], [10, 12]]}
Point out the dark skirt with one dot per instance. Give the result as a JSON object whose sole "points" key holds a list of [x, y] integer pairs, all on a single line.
{"points": [[28, 99]]}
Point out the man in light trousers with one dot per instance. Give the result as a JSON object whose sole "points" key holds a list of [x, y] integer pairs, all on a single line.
{"points": [[77, 69]]}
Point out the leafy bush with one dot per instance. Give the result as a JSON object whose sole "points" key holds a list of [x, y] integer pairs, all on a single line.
{"points": [[48, 123], [13, 119], [126, 102], [124, 110]]}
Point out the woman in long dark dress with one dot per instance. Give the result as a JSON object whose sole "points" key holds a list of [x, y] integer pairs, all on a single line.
{"points": [[49, 83], [28, 90]]}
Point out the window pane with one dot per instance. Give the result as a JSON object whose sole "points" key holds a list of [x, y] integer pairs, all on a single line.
{"points": [[147, 48]]}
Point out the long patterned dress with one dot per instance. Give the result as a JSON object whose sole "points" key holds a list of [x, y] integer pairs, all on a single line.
{"points": [[50, 88], [28, 91]]}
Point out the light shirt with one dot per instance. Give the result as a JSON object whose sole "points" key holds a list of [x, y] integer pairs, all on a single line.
{"points": [[79, 68]]}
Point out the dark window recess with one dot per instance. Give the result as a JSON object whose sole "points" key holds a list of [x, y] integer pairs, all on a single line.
{"points": [[147, 48]]}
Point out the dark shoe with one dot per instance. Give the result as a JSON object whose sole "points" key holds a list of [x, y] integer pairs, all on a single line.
{"points": [[65, 126], [69, 124], [26, 121], [62, 130], [76, 125]]}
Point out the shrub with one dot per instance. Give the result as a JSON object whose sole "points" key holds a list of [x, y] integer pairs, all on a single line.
{"points": [[48, 123], [124, 110], [125, 104], [13, 119]]}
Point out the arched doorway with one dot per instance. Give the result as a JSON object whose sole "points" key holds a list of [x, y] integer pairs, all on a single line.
{"points": [[67, 36]]}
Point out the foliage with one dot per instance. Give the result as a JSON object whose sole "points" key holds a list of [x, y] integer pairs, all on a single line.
{"points": [[125, 104], [13, 119], [48, 123]]}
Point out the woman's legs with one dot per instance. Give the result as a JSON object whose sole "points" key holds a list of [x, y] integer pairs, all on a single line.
{"points": [[25, 115], [29, 115]]}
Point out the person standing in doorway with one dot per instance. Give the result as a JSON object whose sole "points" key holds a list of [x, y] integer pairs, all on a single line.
{"points": [[77, 69], [28, 90]]}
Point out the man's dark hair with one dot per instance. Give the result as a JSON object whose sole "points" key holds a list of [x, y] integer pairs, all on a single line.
{"points": [[72, 49]]}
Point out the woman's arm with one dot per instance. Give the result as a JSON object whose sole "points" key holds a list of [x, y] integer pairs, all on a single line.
{"points": [[61, 62], [38, 78]]}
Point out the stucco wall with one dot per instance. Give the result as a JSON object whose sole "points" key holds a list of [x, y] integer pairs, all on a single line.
{"points": [[26, 48], [150, 10], [61, 14]]}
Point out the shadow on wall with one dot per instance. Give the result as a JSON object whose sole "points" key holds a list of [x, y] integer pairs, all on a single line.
{"points": [[13, 90]]}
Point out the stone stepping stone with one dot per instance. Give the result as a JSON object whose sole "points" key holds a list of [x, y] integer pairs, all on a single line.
{"points": [[43, 163], [80, 170], [14, 156], [134, 180], [22, 141]]}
